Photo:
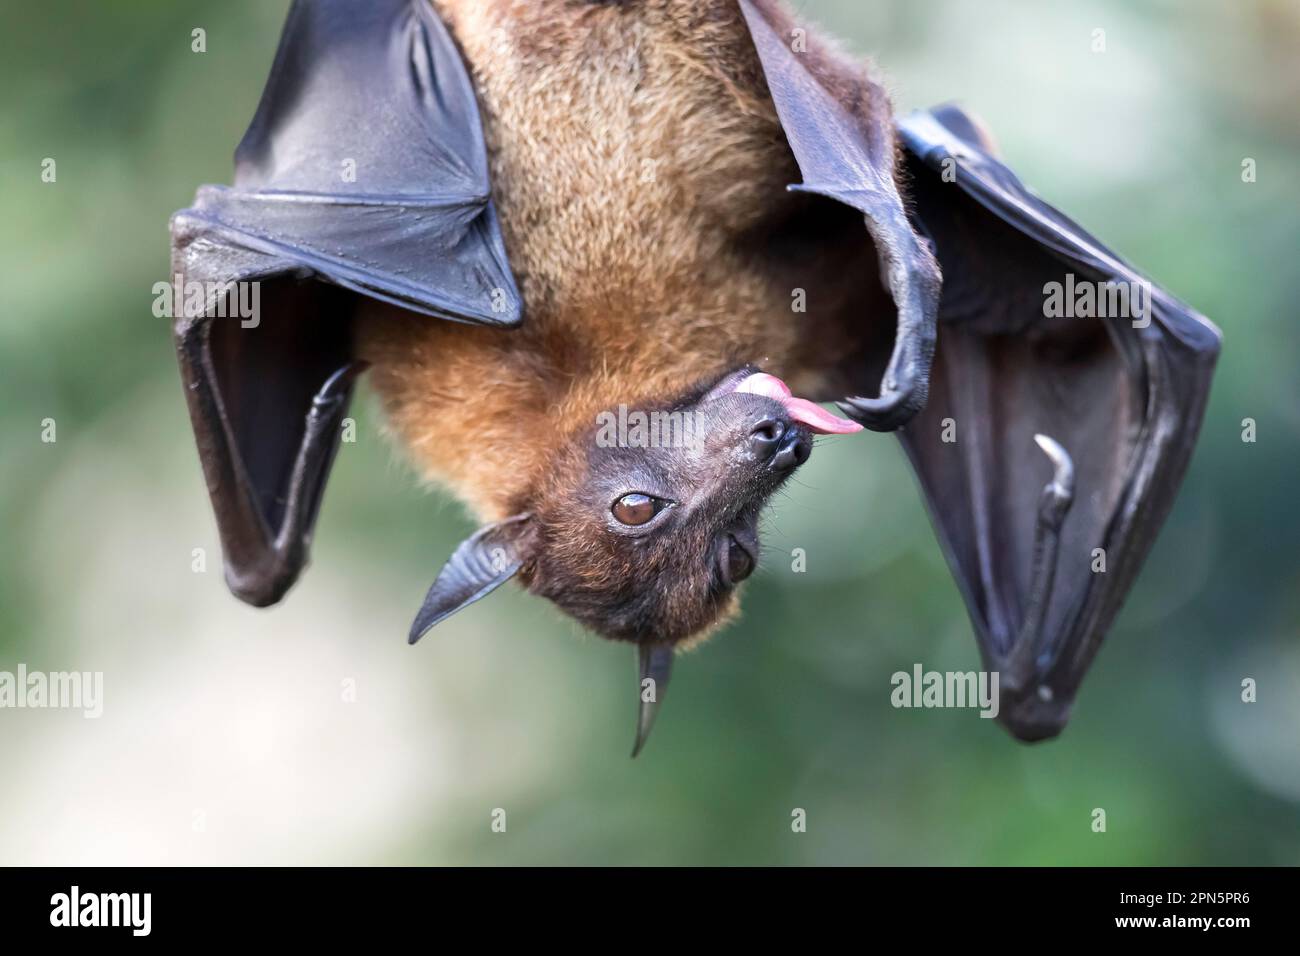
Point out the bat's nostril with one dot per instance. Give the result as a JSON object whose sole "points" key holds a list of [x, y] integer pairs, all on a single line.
{"points": [[793, 451], [802, 449], [765, 436]]}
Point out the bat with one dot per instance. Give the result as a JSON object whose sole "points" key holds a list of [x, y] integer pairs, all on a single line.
{"points": [[605, 263]]}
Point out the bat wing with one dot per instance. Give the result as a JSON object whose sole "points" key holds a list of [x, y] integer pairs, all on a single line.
{"points": [[1048, 446], [363, 173], [846, 152], [1057, 432]]}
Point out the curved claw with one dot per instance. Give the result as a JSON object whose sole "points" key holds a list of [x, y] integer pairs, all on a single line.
{"points": [[1059, 493], [890, 412], [906, 385], [655, 666], [320, 441], [911, 275], [1053, 505], [337, 386]]}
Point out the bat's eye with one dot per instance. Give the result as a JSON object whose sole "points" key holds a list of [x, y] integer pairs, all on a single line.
{"points": [[636, 508]]}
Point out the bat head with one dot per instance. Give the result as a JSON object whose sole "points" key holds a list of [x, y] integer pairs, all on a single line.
{"points": [[648, 520]]}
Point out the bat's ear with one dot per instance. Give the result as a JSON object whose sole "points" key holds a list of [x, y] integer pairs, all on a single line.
{"points": [[483, 562]]}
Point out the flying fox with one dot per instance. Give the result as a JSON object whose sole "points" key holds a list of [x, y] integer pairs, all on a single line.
{"points": [[519, 216]]}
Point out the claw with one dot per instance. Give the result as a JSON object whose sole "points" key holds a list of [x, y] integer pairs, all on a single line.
{"points": [[656, 665], [1053, 505], [338, 385], [906, 384], [889, 412], [1058, 495]]}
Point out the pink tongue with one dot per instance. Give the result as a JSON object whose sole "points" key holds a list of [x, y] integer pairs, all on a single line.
{"points": [[801, 410]]}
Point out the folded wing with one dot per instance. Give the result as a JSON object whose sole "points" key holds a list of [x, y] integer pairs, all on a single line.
{"points": [[1065, 398], [363, 172]]}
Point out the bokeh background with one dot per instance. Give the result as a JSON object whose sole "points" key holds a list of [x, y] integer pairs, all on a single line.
{"points": [[227, 736]]}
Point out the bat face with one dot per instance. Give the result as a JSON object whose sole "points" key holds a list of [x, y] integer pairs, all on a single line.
{"points": [[652, 521], [647, 520]]}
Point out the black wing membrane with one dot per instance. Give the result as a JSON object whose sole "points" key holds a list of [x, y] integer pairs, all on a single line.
{"points": [[846, 153], [1052, 445], [1048, 447], [363, 173]]}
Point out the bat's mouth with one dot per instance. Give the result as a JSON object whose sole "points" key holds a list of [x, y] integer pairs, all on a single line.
{"points": [[750, 381]]}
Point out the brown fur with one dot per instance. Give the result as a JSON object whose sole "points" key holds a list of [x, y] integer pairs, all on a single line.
{"points": [[639, 171]]}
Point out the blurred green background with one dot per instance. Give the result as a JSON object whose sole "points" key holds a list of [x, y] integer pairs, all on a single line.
{"points": [[226, 735]]}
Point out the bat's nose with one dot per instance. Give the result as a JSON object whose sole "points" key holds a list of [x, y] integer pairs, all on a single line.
{"points": [[781, 444], [794, 449], [766, 436]]}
